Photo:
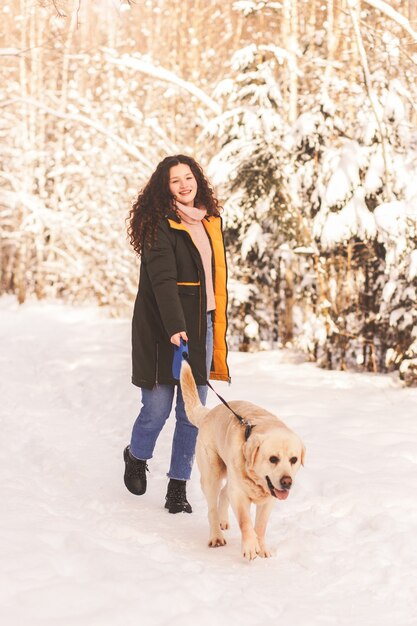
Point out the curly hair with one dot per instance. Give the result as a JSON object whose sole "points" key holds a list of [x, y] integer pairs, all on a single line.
{"points": [[155, 201]]}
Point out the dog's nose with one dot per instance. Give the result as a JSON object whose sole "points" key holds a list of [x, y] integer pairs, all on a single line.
{"points": [[286, 482]]}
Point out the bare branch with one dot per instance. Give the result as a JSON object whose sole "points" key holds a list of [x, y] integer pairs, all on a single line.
{"points": [[394, 15], [78, 12], [59, 11], [9, 52], [127, 147], [160, 73], [352, 4]]}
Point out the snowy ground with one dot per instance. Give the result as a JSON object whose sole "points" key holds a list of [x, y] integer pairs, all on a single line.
{"points": [[78, 550]]}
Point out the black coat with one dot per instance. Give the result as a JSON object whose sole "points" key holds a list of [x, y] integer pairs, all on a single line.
{"points": [[172, 298]]}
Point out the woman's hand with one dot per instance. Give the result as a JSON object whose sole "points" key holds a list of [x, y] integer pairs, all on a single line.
{"points": [[175, 339]]}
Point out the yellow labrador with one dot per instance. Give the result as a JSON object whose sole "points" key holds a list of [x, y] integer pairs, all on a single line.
{"points": [[259, 469]]}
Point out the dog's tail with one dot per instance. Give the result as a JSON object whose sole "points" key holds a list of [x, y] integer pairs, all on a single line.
{"points": [[193, 407]]}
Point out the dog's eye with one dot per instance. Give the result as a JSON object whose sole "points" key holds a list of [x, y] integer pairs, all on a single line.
{"points": [[274, 459], [293, 460]]}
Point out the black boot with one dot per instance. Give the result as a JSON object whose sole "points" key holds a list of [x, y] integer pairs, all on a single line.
{"points": [[135, 473], [176, 498]]}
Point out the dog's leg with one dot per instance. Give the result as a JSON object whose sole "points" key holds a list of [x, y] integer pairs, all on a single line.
{"points": [[263, 511], [224, 508], [212, 471], [241, 507]]}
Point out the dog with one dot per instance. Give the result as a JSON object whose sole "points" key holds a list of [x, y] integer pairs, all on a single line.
{"points": [[259, 469]]}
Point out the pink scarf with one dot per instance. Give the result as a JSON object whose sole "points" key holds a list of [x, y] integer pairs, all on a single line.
{"points": [[192, 217], [191, 214]]}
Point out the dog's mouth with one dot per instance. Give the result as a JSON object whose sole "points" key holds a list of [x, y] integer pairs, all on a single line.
{"points": [[281, 494]]}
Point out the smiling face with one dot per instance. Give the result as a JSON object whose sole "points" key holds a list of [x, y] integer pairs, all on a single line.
{"points": [[275, 459], [182, 184]]}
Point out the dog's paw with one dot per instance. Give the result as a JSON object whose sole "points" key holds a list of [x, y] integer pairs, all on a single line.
{"points": [[250, 549], [264, 552], [216, 541], [224, 524]]}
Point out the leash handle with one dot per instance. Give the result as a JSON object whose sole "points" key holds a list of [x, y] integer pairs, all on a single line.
{"points": [[180, 353]]}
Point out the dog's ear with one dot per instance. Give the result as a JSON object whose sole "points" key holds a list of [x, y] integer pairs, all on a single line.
{"points": [[251, 449], [303, 453]]}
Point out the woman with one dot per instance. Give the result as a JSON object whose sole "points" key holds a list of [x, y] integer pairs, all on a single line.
{"points": [[175, 227]]}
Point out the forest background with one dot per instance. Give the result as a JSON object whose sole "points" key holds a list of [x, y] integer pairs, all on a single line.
{"points": [[304, 114]]}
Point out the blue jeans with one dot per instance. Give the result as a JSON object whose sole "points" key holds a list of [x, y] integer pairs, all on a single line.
{"points": [[155, 410]]}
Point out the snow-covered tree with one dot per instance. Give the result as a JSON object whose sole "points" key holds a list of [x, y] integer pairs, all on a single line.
{"points": [[260, 219], [369, 242], [346, 159]]}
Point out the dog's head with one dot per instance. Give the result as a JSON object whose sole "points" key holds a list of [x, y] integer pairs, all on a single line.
{"points": [[273, 459]]}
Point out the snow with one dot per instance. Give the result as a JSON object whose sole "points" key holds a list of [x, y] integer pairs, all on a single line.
{"points": [[374, 176], [144, 65], [243, 57], [394, 109], [239, 292], [78, 549], [388, 10], [345, 175], [390, 217], [389, 290], [251, 327], [9, 52], [412, 270], [353, 218], [304, 126], [253, 237]]}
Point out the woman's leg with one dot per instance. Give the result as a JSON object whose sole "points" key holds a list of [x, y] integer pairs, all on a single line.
{"points": [[155, 410], [185, 435]]}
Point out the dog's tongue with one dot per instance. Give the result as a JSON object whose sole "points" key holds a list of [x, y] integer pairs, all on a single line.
{"points": [[281, 495]]}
